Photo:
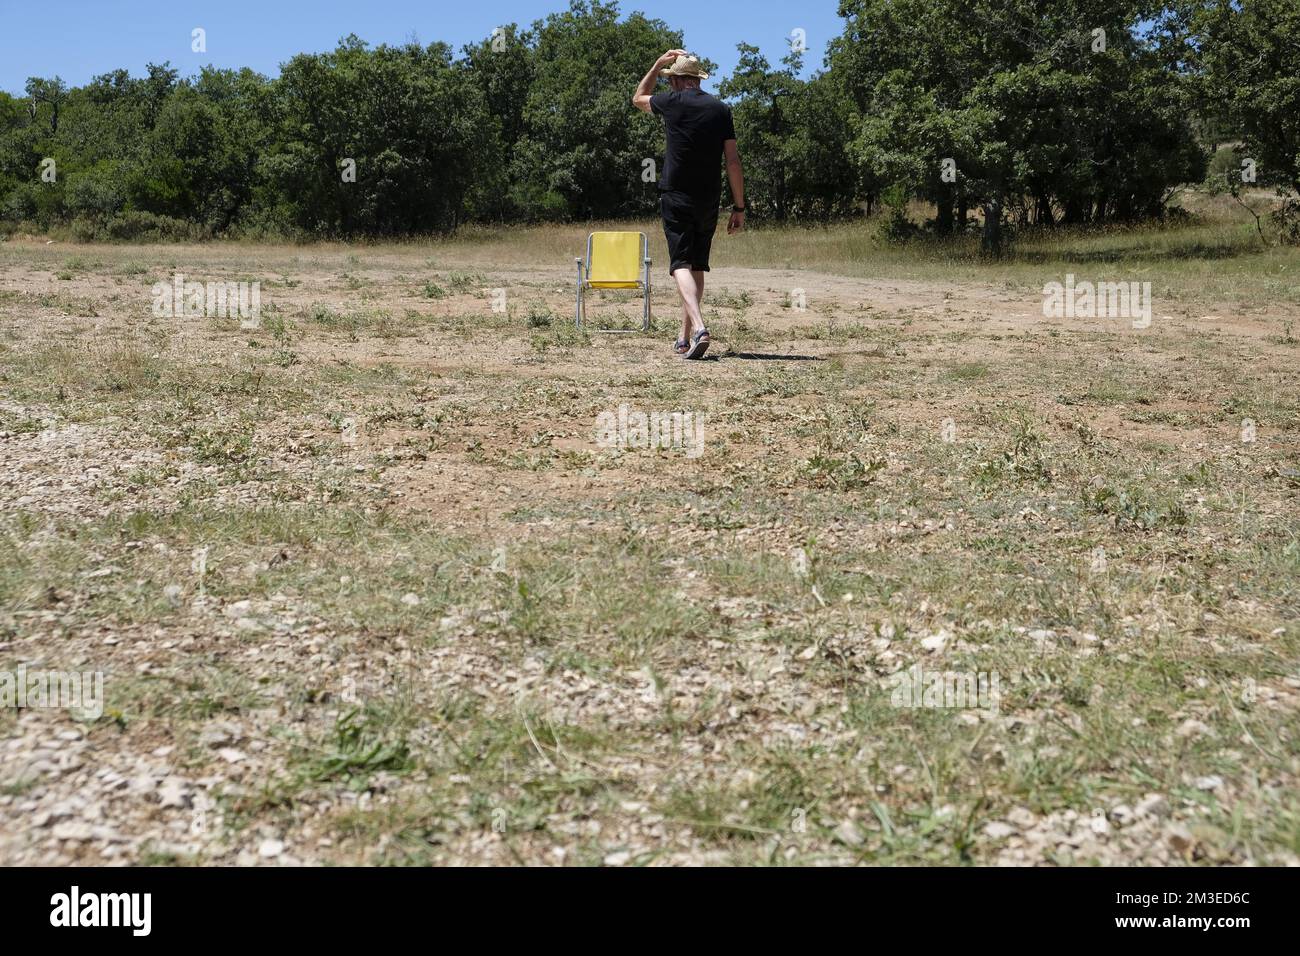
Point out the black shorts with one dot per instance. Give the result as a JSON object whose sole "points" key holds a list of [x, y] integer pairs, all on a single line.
{"points": [[689, 224]]}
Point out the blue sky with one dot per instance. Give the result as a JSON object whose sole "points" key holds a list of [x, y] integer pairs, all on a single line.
{"points": [[78, 39]]}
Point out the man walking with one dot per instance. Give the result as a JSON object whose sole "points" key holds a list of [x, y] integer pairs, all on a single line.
{"points": [[700, 133]]}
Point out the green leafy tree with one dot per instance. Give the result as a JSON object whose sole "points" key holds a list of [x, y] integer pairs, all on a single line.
{"points": [[1042, 115], [1247, 61], [502, 67], [763, 113], [584, 148], [416, 129], [794, 138]]}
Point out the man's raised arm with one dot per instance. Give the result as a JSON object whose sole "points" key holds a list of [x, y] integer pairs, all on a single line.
{"points": [[644, 90]]}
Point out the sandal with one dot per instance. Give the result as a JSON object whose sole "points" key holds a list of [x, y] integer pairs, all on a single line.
{"points": [[699, 345]]}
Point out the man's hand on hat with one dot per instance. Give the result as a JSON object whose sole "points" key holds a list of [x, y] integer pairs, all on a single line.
{"points": [[668, 58]]}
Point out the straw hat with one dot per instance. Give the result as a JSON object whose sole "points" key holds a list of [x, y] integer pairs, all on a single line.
{"points": [[685, 66]]}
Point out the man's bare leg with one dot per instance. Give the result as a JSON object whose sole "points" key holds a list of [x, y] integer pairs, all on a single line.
{"points": [[698, 275], [686, 324], [690, 286]]}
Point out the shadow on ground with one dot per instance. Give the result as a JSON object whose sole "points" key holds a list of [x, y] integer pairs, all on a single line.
{"points": [[767, 357]]}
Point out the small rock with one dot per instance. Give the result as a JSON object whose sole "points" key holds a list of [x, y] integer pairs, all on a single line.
{"points": [[935, 642], [410, 599], [219, 732], [77, 830], [1193, 728], [1022, 817], [173, 792], [1180, 839], [1152, 805], [998, 830], [238, 609], [849, 834], [270, 849]]}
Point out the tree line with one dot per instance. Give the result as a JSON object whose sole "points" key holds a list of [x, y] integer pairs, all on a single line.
{"points": [[1039, 112]]}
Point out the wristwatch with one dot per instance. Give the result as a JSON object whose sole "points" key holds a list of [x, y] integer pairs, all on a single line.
{"points": [[737, 208]]}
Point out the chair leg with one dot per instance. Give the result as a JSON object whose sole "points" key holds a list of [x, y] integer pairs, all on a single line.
{"points": [[577, 308], [645, 318]]}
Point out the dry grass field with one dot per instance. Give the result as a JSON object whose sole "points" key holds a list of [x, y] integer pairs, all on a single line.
{"points": [[366, 588]]}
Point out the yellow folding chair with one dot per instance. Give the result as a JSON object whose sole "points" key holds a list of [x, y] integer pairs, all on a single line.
{"points": [[615, 260]]}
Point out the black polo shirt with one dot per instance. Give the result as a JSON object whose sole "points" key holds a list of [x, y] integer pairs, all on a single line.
{"points": [[697, 124]]}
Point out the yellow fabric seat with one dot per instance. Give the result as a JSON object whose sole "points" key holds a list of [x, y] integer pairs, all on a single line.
{"points": [[615, 260]]}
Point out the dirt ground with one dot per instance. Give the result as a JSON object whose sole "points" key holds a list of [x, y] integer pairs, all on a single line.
{"points": [[436, 620]]}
